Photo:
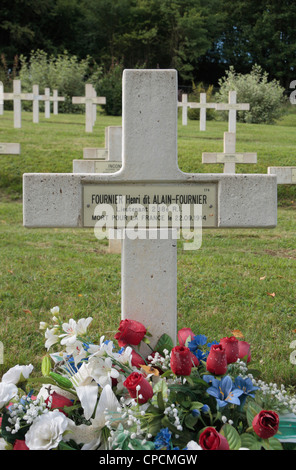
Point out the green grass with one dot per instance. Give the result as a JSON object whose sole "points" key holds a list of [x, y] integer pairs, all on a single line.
{"points": [[221, 287]]}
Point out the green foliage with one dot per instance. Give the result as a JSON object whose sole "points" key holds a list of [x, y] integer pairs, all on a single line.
{"points": [[110, 86], [265, 97], [199, 38], [63, 72]]}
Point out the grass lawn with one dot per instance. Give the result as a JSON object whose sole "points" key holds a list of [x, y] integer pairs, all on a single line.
{"points": [[239, 279]]}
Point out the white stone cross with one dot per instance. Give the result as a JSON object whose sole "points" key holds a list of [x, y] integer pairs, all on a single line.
{"points": [[17, 98], [9, 149], [1, 99], [36, 98], [112, 153], [229, 157], [47, 100], [89, 100], [284, 174], [184, 105], [149, 173], [232, 107], [56, 100], [203, 106]]}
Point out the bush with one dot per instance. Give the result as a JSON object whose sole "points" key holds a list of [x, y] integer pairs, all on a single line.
{"points": [[110, 86], [64, 73], [266, 98]]}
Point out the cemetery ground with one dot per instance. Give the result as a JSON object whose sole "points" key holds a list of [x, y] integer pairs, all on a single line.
{"points": [[238, 280]]}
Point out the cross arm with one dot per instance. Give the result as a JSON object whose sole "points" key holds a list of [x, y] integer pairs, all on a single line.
{"points": [[56, 200], [234, 106], [99, 100], [202, 105], [285, 175], [227, 157], [78, 100]]}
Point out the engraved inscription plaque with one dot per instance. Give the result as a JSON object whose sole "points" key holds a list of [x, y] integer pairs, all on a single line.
{"points": [[107, 167], [169, 205]]}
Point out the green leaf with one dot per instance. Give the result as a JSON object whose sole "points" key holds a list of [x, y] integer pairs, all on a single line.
{"points": [[160, 401], [190, 421], [196, 405], [164, 342], [272, 444], [232, 436], [64, 446], [252, 410], [250, 441]]}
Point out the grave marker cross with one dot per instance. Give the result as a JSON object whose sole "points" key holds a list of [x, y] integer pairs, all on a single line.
{"points": [[56, 100], [9, 149], [232, 107], [149, 262], [1, 99], [285, 174], [89, 100], [36, 98], [17, 98], [229, 157], [184, 105], [203, 106]]}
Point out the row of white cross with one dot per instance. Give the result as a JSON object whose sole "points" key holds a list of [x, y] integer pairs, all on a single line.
{"points": [[229, 157], [17, 97], [232, 107], [90, 100]]}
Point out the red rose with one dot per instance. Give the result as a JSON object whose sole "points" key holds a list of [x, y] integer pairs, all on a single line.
{"points": [[138, 387], [20, 445], [210, 439], [194, 360], [57, 401], [183, 334], [137, 360], [266, 424], [244, 350], [216, 360], [130, 332], [181, 362], [231, 348]]}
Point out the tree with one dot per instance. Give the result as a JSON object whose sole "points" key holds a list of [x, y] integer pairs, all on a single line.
{"points": [[260, 32]]}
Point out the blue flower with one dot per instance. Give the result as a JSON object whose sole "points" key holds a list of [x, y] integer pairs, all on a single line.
{"points": [[195, 413], [197, 342], [163, 440], [205, 409], [247, 387], [196, 346], [225, 392]]}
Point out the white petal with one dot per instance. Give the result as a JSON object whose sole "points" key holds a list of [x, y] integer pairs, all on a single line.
{"points": [[107, 401], [88, 395]]}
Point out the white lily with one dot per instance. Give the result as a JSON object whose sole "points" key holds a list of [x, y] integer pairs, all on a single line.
{"points": [[7, 392], [86, 388], [74, 329], [90, 436], [76, 350], [102, 370], [17, 373], [51, 338]]}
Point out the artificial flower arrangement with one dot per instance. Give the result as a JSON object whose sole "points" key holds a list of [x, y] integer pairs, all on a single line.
{"points": [[193, 396]]}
